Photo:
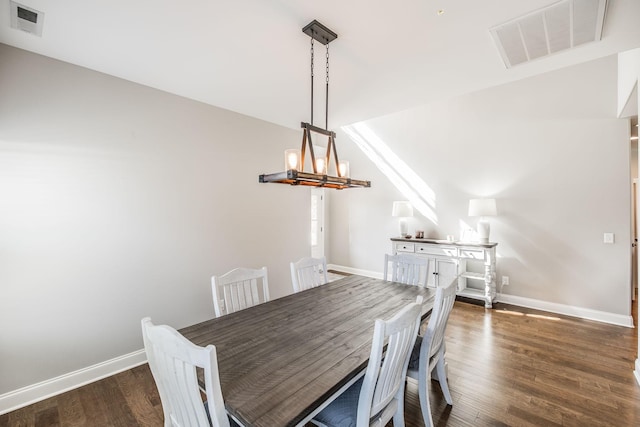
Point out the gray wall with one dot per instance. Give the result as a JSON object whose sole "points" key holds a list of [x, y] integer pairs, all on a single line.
{"points": [[552, 153], [118, 201]]}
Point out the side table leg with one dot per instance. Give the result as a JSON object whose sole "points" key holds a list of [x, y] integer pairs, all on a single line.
{"points": [[488, 286]]}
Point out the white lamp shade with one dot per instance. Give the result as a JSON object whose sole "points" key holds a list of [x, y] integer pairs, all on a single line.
{"points": [[402, 209], [482, 207]]}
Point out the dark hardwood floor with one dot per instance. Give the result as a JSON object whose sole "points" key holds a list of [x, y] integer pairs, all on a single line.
{"points": [[507, 367]]}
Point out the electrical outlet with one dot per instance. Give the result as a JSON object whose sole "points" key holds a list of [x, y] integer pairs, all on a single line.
{"points": [[505, 280]]}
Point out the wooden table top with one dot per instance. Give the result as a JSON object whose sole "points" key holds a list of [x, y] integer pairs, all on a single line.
{"points": [[280, 360]]}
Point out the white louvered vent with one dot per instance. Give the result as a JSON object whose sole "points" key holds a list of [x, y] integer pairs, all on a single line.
{"points": [[560, 26]]}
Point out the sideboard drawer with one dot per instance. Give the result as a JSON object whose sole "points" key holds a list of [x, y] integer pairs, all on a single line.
{"points": [[425, 248], [470, 253], [405, 247]]}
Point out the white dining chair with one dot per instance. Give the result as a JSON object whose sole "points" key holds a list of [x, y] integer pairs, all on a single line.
{"points": [[405, 268], [173, 360], [429, 351], [308, 273], [378, 397], [239, 289]]}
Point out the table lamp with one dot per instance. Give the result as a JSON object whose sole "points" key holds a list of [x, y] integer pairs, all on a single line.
{"points": [[483, 208], [402, 210]]}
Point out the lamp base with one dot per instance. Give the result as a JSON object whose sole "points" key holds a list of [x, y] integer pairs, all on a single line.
{"points": [[404, 227], [483, 231]]}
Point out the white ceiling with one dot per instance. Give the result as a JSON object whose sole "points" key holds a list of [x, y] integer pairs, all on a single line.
{"points": [[251, 56]]}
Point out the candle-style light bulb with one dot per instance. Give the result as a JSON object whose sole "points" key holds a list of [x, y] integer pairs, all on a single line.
{"points": [[292, 159], [344, 168]]}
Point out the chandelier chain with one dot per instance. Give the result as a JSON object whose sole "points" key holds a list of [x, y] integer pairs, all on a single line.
{"points": [[312, 58], [327, 71], [326, 103], [311, 80]]}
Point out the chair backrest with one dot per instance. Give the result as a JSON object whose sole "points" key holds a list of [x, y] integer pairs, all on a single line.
{"points": [[433, 338], [308, 273], [405, 268], [383, 384], [173, 360], [239, 289]]}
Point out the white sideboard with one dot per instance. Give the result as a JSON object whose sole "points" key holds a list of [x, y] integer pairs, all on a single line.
{"points": [[474, 264]]}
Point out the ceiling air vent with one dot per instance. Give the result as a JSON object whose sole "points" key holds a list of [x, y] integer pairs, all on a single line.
{"points": [[26, 19], [560, 26]]}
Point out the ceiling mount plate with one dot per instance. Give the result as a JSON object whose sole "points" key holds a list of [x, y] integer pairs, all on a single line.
{"points": [[319, 32]]}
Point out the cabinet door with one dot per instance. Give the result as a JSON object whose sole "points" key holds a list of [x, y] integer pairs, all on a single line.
{"points": [[446, 270], [432, 276]]}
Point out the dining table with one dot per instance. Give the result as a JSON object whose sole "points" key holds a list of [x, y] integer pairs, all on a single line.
{"points": [[283, 361]]}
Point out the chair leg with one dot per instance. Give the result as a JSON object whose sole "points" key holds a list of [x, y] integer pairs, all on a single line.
{"points": [[398, 417], [434, 374], [442, 379], [423, 394]]}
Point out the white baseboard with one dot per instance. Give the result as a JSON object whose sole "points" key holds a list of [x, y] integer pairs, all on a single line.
{"points": [[359, 272], [636, 372], [569, 310], [43, 390]]}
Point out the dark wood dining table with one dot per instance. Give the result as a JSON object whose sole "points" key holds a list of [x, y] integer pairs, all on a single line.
{"points": [[280, 361]]}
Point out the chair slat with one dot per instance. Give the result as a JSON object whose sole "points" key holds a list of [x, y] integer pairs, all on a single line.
{"points": [[173, 361], [308, 273], [239, 289], [406, 268]]}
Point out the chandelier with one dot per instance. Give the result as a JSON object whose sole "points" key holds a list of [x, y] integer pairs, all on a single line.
{"points": [[319, 175]]}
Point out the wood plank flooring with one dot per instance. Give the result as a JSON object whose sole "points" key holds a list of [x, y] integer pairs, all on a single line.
{"points": [[507, 367]]}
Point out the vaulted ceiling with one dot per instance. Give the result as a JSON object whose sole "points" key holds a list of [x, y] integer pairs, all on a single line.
{"points": [[251, 56]]}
